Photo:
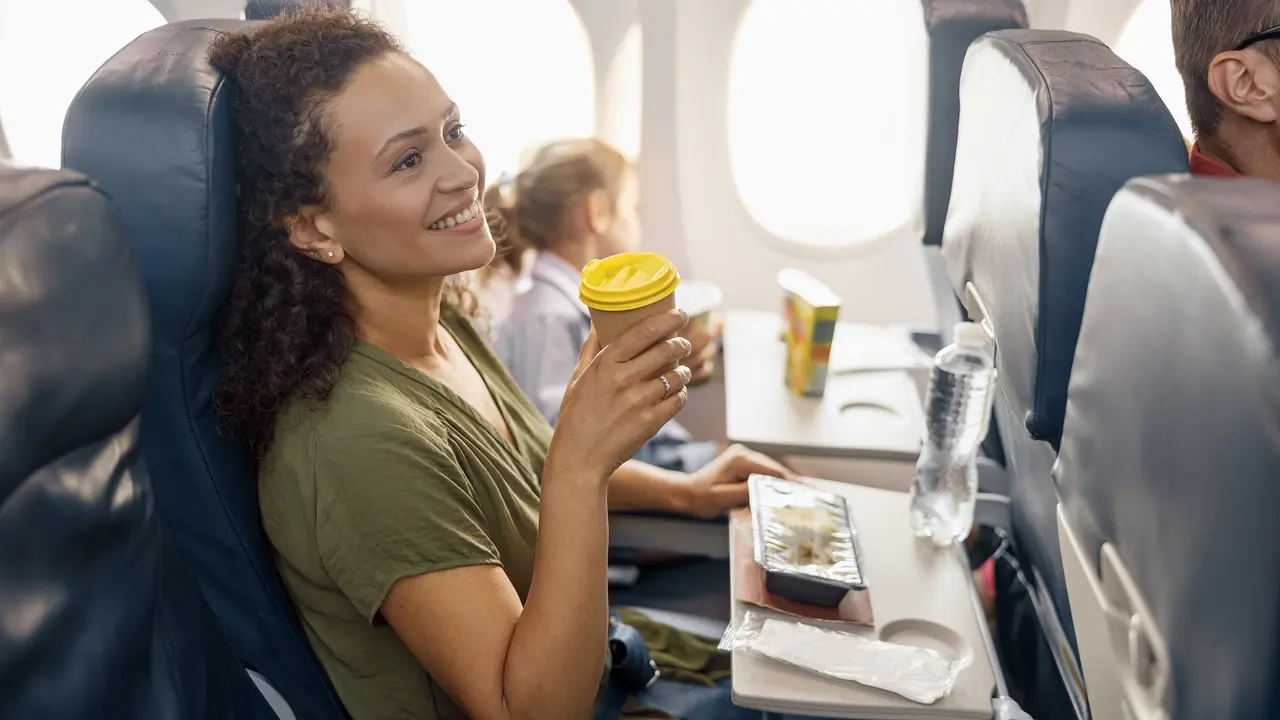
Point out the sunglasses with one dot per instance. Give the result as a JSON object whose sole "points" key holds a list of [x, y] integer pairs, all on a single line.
{"points": [[1254, 39]]}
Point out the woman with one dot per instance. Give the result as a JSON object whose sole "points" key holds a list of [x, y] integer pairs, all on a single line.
{"points": [[576, 201], [422, 513]]}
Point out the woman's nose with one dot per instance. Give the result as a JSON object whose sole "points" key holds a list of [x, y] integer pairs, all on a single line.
{"points": [[459, 173]]}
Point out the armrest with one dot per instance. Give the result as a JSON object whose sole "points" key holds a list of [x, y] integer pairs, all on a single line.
{"points": [[669, 533], [274, 698]]}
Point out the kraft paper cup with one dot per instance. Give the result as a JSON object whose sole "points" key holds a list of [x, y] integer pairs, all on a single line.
{"points": [[622, 290]]}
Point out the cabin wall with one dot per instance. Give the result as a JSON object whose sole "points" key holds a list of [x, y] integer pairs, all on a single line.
{"points": [[693, 206], [175, 10]]}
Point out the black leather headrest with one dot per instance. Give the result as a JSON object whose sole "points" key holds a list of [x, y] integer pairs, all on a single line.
{"points": [[154, 127], [98, 617], [74, 339], [953, 25], [1172, 443], [1052, 125]]}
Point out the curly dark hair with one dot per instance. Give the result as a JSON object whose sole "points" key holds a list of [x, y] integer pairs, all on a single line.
{"points": [[288, 326]]}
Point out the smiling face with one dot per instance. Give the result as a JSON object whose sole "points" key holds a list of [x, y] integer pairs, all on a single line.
{"points": [[402, 179]]}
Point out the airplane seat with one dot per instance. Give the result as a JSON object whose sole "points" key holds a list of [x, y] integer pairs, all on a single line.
{"points": [[953, 25], [153, 127], [1171, 454], [1051, 125], [98, 615]]}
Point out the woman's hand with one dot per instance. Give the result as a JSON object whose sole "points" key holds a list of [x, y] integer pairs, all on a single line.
{"points": [[721, 485], [616, 401]]}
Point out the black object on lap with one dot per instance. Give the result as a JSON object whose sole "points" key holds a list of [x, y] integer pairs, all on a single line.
{"points": [[632, 666]]}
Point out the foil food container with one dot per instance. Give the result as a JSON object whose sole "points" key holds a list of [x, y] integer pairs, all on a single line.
{"points": [[805, 542]]}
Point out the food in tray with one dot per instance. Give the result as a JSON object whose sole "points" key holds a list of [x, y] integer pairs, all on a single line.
{"points": [[809, 534], [806, 518], [811, 551], [804, 542]]}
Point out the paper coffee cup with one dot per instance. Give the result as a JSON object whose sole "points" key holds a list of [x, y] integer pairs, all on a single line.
{"points": [[622, 290], [700, 299]]}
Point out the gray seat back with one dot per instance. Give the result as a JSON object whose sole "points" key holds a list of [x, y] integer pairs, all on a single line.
{"points": [[952, 25], [1052, 124], [1171, 455]]}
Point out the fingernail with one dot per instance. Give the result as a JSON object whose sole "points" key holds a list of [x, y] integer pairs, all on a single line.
{"points": [[684, 316]]}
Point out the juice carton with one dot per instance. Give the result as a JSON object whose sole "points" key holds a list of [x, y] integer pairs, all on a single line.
{"points": [[809, 314]]}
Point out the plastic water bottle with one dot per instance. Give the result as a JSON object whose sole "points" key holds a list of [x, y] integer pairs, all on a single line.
{"points": [[957, 409]]}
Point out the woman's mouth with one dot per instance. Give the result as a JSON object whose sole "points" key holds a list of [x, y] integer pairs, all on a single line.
{"points": [[463, 221]]}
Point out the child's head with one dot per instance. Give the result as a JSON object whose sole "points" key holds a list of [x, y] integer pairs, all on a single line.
{"points": [[572, 193]]}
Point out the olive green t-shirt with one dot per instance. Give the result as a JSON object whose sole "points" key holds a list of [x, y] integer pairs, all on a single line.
{"points": [[395, 476]]}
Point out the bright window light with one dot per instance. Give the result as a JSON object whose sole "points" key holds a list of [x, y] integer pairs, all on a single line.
{"points": [[48, 50], [623, 94], [1147, 44], [827, 104], [529, 81]]}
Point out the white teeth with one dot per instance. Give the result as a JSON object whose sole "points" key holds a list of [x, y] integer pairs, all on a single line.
{"points": [[462, 217]]}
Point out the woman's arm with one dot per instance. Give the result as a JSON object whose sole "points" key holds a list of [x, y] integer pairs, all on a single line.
{"points": [[707, 492], [500, 660], [497, 659], [638, 486]]}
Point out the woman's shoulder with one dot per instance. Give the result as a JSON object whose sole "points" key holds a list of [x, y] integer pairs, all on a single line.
{"points": [[370, 403]]}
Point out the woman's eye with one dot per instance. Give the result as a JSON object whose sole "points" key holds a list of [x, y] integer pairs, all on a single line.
{"points": [[409, 162], [455, 133]]}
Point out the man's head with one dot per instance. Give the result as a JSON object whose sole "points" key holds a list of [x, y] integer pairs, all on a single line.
{"points": [[1231, 73]]}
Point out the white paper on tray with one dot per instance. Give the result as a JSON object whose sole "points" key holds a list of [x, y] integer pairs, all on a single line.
{"points": [[918, 674]]}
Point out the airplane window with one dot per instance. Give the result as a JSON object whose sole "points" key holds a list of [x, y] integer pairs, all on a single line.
{"points": [[47, 52], [1147, 44], [530, 81], [623, 93], [827, 105]]}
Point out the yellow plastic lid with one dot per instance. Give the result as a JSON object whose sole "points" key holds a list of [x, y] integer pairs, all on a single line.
{"points": [[627, 281]]}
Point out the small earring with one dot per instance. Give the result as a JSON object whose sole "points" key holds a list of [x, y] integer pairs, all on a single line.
{"points": [[330, 253]]}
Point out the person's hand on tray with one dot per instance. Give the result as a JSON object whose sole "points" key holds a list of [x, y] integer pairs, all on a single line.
{"points": [[722, 484]]}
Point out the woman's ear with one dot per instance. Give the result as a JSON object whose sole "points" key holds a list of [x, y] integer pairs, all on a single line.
{"points": [[311, 232], [1247, 83]]}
